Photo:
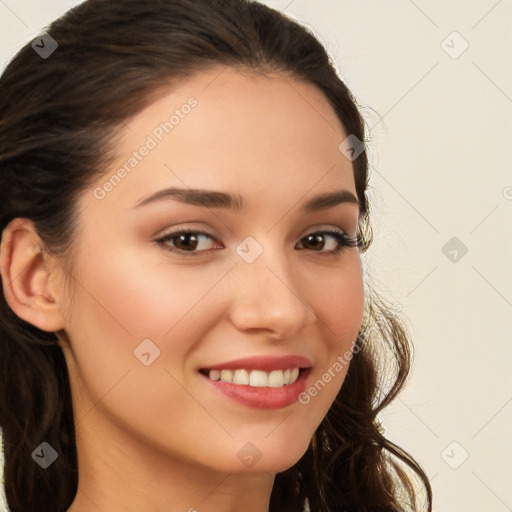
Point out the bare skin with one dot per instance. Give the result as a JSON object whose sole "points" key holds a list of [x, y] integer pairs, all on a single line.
{"points": [[158, 437]]}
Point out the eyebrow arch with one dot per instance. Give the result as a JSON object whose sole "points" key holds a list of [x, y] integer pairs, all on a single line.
{"points": [[215, 199]]}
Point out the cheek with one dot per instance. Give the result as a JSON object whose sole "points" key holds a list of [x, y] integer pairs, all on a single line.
{"points": [[339, 300], [340, 308], [118, 306], [126, 297], [135, 299]]}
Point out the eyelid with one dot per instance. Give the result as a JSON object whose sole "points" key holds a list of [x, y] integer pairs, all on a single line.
{"points": [[172, 234], [308, 231], [335, 232]]}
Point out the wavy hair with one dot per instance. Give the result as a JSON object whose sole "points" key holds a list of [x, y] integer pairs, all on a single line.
{"points": [[59, 117]]}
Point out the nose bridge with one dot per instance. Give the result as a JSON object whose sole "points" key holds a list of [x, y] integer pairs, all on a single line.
{"points": [[266, 294]]}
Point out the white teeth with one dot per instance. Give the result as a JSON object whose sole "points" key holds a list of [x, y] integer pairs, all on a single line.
{"points": [[257, 378], [226, 376], [214, 375], [241, 377], [276, 379]]}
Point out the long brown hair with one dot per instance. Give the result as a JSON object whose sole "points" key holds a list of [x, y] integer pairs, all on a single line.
{"points": [[58, 118]]}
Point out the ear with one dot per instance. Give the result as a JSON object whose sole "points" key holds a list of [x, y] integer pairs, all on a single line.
{"points": [[27, 279]]}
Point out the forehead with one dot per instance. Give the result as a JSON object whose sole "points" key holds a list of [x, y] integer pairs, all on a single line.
{"points": [[227, 130]]}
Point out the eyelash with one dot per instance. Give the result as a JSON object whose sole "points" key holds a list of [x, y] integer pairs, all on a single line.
{"points": [[344, 241]]}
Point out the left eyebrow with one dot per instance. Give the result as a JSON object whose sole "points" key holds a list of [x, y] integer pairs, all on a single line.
{"points": [[215, 199], [328, 200]]}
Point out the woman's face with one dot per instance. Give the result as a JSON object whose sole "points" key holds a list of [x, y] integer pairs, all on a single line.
{"points": [[154, 313]]}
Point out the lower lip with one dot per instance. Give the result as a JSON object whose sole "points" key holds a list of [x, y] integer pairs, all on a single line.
{"points": [[263, 397]]}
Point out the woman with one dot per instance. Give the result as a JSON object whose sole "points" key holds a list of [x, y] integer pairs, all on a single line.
{"points": [[185, 324]]}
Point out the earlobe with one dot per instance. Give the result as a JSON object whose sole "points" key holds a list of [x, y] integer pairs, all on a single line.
{"points": [[27, 277]]}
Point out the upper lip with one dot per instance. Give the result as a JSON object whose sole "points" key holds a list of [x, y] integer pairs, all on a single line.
{"points": [[265, 363]]}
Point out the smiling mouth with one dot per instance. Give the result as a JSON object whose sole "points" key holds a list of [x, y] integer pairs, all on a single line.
{"points": [[255, 378]]}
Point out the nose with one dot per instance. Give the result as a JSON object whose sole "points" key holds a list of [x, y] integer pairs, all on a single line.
{"points": [[267, 296]]}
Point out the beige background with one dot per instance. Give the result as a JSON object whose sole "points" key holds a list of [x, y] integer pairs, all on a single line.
{"points": [[441, 121]]}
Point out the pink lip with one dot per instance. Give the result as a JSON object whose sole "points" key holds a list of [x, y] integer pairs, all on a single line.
{"points": [[265, 363], [264, 397]]}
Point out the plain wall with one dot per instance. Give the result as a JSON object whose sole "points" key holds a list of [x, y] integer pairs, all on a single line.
{"points": [[440, 119]]}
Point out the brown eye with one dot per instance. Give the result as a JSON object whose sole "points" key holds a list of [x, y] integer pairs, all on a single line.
{"points": [[191, 243], [185, 242], [317, 241]]}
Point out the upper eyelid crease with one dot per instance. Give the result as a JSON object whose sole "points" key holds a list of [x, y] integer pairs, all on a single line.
{"points": [[196, 231]]}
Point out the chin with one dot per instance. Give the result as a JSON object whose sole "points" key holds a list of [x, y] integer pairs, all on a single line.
{"points": [[265, 457]]}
